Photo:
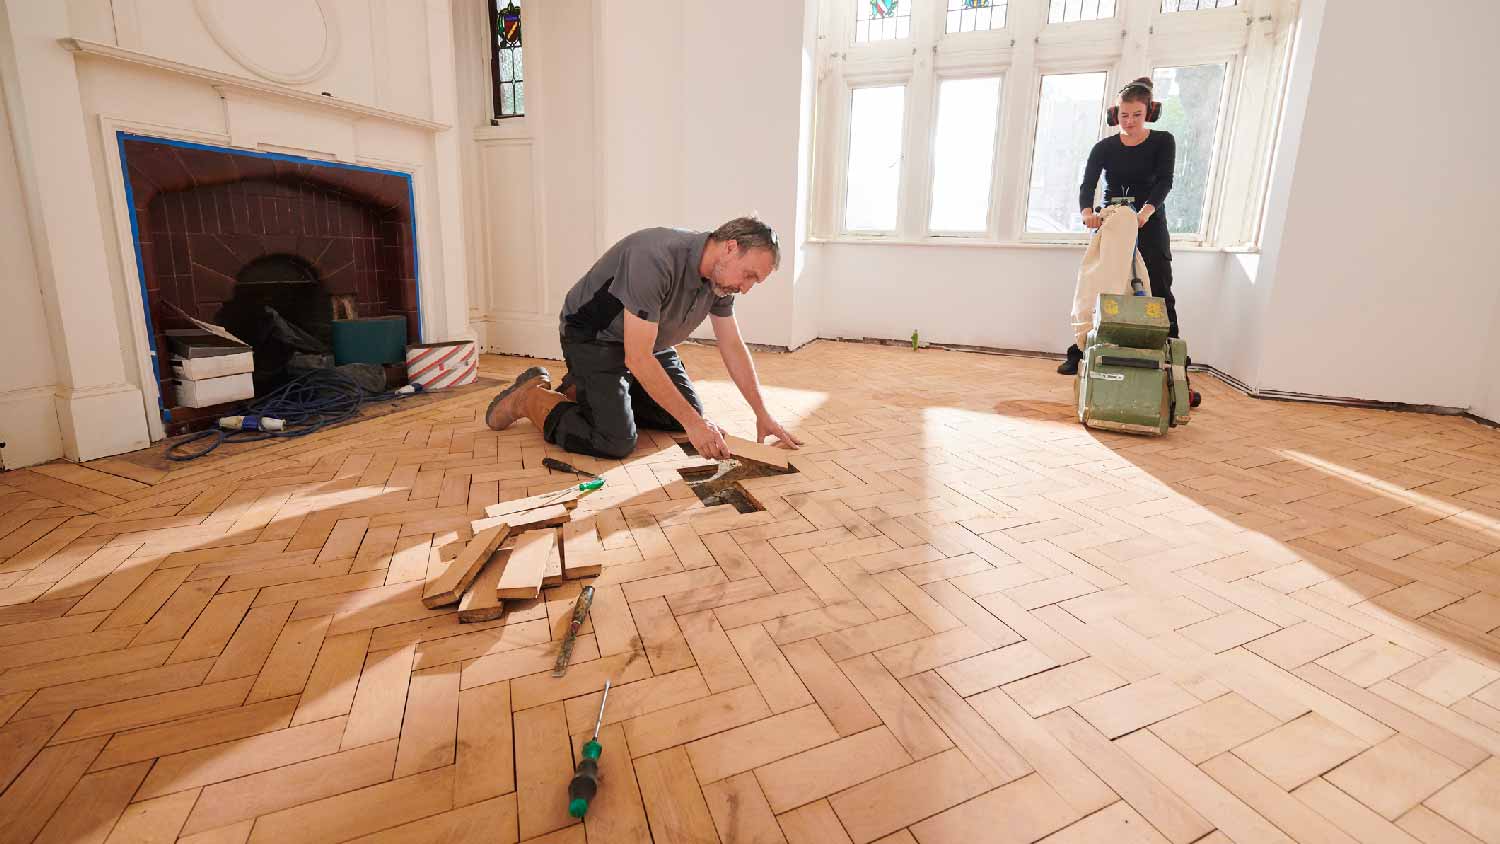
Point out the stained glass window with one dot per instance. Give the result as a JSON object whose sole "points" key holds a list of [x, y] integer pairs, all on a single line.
{"points": [[1170, 6], [881, 20], [976, 15], [1068, 11], [505, 62]]}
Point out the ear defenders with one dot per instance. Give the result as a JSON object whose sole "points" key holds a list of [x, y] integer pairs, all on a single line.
{"points": [[1153, 110]]}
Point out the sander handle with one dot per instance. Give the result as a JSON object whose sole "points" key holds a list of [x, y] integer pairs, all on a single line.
{"points": [[1136, 287]]}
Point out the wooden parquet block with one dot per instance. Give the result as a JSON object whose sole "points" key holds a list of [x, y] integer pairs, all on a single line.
{"points": [[482, 601], [526, 567], [449, 586]]}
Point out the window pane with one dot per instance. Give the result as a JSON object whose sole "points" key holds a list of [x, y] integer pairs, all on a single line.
{"points": [[506, 30], [1067, 127], [976, 15], [1170, 6], [1191, 99], [1068, 11], [881, 20], [964, 154], [874, 158]]}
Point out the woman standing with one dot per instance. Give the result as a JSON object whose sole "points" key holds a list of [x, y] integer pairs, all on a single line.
{"points": [[1137, 163]]}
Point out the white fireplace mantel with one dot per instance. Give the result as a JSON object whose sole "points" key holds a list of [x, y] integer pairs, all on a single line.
{"points": [[230, 81]]}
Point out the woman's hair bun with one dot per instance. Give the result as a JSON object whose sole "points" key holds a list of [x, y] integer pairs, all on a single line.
{"points": [[1143, 81]]}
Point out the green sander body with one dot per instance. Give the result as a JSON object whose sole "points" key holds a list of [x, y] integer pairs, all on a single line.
{"points": [[1133, 376]]}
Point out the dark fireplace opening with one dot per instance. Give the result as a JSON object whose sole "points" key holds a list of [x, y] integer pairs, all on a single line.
{"points": [[281, 308]]}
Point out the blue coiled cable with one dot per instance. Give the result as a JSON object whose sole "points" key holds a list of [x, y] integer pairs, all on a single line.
{"points": [[307, 403]]}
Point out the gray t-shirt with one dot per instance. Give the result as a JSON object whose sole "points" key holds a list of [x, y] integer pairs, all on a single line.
{"points": [[653, 273]]}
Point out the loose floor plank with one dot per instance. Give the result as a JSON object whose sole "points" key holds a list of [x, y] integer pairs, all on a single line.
{"points": [[449, 586], [524, 570]]}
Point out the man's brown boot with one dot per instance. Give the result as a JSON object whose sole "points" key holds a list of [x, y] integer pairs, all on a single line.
{"points": [[510, 404], [538, 403]]}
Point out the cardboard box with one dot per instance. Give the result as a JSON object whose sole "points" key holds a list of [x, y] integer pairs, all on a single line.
{"points": [[216, 366], [210, 365], [206, 392]]}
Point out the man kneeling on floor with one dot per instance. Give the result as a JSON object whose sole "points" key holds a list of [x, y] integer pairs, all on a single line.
{"points": [[620, 324]]}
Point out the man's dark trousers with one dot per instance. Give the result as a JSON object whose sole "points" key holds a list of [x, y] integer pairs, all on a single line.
{"points": [[610, 402]]}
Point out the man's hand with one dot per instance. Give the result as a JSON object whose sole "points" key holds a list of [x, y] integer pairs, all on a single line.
{"points": [[708, 439], [1092, 219], [766, 426], [1144, 214], [640, 340]]}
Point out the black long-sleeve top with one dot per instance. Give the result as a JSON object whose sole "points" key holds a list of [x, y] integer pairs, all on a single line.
{"points": [[1143, 171]]}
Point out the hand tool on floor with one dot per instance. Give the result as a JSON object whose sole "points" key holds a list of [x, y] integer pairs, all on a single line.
{"points": [[580, 612], [586, 486], [559, 466], [585, 782]]}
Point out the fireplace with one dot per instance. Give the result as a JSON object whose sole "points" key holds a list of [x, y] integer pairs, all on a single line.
{"points": [[223, 234], [299, 319]]}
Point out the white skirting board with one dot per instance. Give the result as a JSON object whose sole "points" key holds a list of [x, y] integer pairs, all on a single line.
{"points": [[29, 428]]}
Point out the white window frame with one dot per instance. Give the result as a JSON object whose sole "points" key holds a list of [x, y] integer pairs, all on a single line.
{"points": [[1047, 13], [1251, 39], [991, 210], [1024, 185], [880, 79], [1216, 163]]}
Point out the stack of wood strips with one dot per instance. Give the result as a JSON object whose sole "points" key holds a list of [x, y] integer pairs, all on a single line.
{"points": [[515, 551]]}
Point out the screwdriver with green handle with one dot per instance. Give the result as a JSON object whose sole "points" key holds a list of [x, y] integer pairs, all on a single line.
{"points": [[585, 487], [585, 782]]}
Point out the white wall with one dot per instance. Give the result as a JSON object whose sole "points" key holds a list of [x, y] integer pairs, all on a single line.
{"points": [[1377, 281], [1487, 396], [740, 116], [28, 418], [378, 57], [533, 210], [645, 114], [1008, 297], [806, 293], [700, 122], [639, 71]]}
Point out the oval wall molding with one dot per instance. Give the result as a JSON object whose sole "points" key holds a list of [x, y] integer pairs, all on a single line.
{"points": [[208, 12]]}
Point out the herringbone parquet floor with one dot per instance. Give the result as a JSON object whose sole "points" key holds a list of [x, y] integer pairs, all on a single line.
{"points": [[965, 619]]}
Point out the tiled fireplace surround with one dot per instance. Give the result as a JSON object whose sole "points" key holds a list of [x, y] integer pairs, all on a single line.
{"points": [[203, 214]]}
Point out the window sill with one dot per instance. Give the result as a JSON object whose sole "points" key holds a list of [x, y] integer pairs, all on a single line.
{"points": [[509, 129], [976, 243]]}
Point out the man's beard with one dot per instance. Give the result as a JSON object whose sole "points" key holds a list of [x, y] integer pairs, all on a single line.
{"points": [[718, 270]]}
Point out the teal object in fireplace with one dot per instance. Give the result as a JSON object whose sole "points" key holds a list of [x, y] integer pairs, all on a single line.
{"points": [[369, 340]]}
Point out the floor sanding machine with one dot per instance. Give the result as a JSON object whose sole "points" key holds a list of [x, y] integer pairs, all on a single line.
{"points": [[1133, 376]]}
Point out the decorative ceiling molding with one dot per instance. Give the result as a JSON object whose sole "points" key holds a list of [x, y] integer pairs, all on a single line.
{"points": [[208, 12]]}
